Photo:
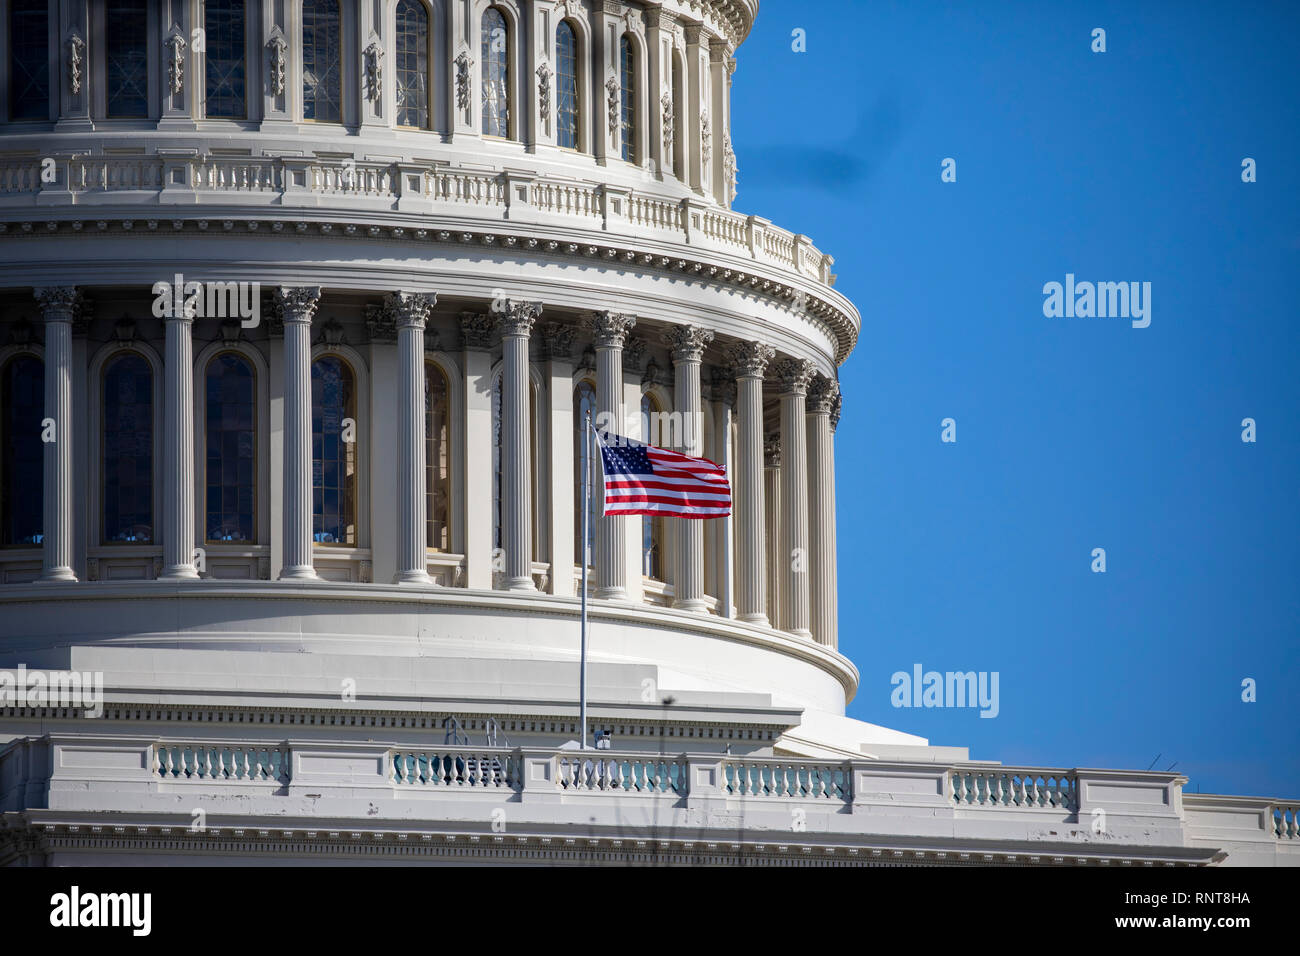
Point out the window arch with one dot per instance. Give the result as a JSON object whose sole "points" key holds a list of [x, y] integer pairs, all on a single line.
{"points": [[498, 540], [652, 526], [322, 80], [128, 450], [29, 60], [495, 57], [22, 454], [230, 478], [225, 90], [411, 67], [566, 85], [437, 458], [584, 406], [334, 459], [627, 69], [126, 59]]}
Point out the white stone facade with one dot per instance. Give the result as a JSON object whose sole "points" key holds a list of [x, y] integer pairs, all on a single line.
{"points": [[371, 654]]}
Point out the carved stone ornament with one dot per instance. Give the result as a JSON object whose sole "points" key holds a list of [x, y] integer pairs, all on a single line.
{"points": [[381, 321], [299, 302], [794, 375], [412, 308], [373, 56], [611, 87], [634, 353], [544, 94], [705, 149], [687, 342], [76, 49], [175, 45], [518, 317], [730, 171], [772, 451], [666, 101], [559, 340], [278, 47], [610, 329], [476, 331], [822, 392], [750, 358], [463, 65]]}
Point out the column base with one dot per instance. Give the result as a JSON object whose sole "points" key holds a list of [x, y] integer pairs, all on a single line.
{"points": [[801, 632], [301, 572], [63, 575], [611, 594], [520, 584], [694, 605], [420, 578], [179, 572], [759, 619]]}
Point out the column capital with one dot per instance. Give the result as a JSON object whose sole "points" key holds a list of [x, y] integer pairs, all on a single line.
{"points": [[687, 342], [794, 375], [475, 331], [835, 409], [411, 309], [822, 392], [518, 318], [299, 303], [58, 303], [558, 339], [610, 329], [750, 359], [772, 451]]}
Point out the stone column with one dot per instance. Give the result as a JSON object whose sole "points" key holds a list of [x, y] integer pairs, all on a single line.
{"points": [[475, 473], [609, 334], [299, 305], [749, 359], [516, 463], [58, 303], [687, 343], [412, 311], [773, 528], [724, 401], [794, 375], [822, 394], [178, 449]]}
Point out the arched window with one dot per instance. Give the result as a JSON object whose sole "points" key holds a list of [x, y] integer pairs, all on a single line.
{"points": [[126, 59], [322, 81], [411, 69], [437, 458], [627, 67], [498, 538], [128, 450], [652, 526], [495, 57], [29, 60], [22, 454], [584, 405], [566, 86], [230, 410], [223, 29], [334, 455]]}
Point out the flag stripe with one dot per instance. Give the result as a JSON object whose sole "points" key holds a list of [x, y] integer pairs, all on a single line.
{"points": [[641, 479]]}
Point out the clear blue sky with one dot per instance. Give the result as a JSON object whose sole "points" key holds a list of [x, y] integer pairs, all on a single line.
{"points": [[1072, 434]]}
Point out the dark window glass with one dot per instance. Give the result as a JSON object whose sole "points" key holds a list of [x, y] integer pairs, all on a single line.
{"points": [[29, 60], [495, 58], [584, 404], [128, 450], [627, 63], [223, 27], [231, 435], [566, 86], [334, 460], [322, 97], [437, 458], [22, 454], [126, 63], [411, 71]]}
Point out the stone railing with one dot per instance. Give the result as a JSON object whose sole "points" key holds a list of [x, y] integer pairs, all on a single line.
{"points": [[455, 767], [210, 761], [1286, 821], [774, 777], [1015, 787], [596, 771], [287, 182]]}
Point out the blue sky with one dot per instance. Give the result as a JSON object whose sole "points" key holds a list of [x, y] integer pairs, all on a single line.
{"points": [[1072, 433]]}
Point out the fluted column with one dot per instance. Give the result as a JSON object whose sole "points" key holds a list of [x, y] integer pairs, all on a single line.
{"points": [[749, 360], [609, 334], [687, 343], [299, 306], [773, 528], [822, 396], [794, 376], [58, 304], [412, 311], [516, 465], [178, 449]]}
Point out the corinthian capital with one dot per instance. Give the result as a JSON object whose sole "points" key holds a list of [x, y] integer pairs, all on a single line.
{"points": [[822, 393], [411, 309], [749, 359], [772, 451], [794, 375], [610, 329], [475, 331], [687, 342], [58, 302], [518, 317], [299, 303]]}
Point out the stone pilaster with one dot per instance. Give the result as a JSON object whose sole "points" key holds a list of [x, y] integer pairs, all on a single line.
{"points": [[299, 306], [178, 449], [412, 312], [822, 396], [724, 404], [516, 462], [687, 343], [58, 304], [609, 334], [749, 360], [773, 529], [794, 375]]}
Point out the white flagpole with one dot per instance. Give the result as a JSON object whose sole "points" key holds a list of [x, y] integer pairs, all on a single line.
{"points": [[586, 510]]}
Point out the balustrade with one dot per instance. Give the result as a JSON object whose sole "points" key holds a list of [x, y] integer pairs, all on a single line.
{"points": [[1006, 787], [210, 761]]}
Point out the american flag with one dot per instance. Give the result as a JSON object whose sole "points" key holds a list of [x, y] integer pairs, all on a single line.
{"points": [[641, 479]]}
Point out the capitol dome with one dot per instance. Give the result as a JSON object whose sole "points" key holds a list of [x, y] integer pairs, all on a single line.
{"points": [[304, 308]]}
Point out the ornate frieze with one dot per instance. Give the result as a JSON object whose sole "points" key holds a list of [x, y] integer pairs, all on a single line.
{"points": [[750, 358], [687, 342], [475, 331], [794, 375]]}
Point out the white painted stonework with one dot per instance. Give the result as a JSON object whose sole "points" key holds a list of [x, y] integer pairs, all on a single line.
{"points": [[406, 695]]}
